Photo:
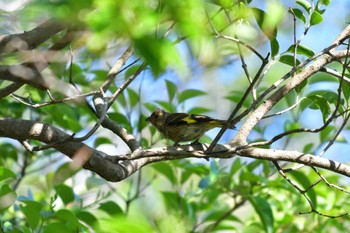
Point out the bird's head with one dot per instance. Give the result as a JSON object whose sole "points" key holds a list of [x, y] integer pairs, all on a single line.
{"points": [[158, 117]]}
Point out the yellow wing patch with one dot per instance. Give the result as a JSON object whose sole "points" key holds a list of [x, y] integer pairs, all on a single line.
{"points": [[189, 120]]}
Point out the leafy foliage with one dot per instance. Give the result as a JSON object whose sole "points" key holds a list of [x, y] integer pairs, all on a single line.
{"points": [[187, 47]]}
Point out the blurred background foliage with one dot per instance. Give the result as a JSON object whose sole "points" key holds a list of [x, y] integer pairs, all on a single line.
{"points": [[193, 65]]}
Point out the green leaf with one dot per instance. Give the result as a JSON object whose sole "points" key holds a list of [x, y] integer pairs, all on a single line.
{"points": [[101, 140], [199, 110], [320, 103], [326, 133], [166, 170], [316, 18], [213, 215], [175, 202], [111, 208], [308, 148], [305, 4], [302, 179], [169, 107], [120, 119], [289, 60], [6, 173], [261, 18], [172, 89], [8, 150], [64, 172], [70, 220], [188, 94], [346, 90], [263, 209], [94, 181], [32, 214], [133, 97], [298, 13], [87, 217], [7, 197], [131, 71], [65, 193], [301, 86], [159, 53], [274, 47], [56, 227], [301, 49]]}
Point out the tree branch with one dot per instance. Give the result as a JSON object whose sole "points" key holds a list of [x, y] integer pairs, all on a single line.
{"points": [[31, 39], [117, 168]]}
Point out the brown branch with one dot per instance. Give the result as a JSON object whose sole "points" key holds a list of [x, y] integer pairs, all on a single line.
{"points": [[114, 168], [30, 39], [266, 106]]}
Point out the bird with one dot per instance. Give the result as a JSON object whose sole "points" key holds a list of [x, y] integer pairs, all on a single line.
{"points": [[183, 127]]}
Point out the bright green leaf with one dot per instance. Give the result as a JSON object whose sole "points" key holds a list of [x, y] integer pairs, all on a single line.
{"points": [[65, 193], [166, 170], [101, 140], [301, 178], [320, 103], [111, 208], [188, 94], [32, 215], [57, 227], [308, 148], [87, 217], [316, 18], [289, 60], [263, 209], [199, 110], [64, 172], [7, 196], [172, 89], [133, 97], [298, 13], [305, 4], [6, 173], [301, 49]]}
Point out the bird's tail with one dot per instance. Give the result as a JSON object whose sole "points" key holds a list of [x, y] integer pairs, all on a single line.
{"points": [[220, 123]]}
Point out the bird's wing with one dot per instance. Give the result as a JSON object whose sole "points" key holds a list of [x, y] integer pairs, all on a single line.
{"points": [[184, 118]]}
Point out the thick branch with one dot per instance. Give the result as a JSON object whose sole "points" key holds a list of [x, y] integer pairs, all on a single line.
{"points": [[31, 39], [266, 106], [117, 168]]}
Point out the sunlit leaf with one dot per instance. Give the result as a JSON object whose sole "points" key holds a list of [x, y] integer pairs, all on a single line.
{"points": [[190, 93], [302, 179], [301, 49], [7, 197], [172, 89], [133, 97], [64, 172], [111, 208], [166, 170], [298, 13], [6, 173], [305, 4], [263, 209], [289, 60], [320, 103], [65, 193], [316, 18]]}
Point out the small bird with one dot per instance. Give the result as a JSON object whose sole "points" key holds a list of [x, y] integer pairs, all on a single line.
{"points": [[181, 127]]}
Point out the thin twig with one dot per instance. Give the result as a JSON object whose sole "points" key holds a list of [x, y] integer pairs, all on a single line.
{"points": [[285, 110], [39, 105], [303, 192], [238, 106]]}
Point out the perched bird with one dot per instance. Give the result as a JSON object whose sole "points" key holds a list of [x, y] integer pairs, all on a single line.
{"points": [[181, 127]]}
